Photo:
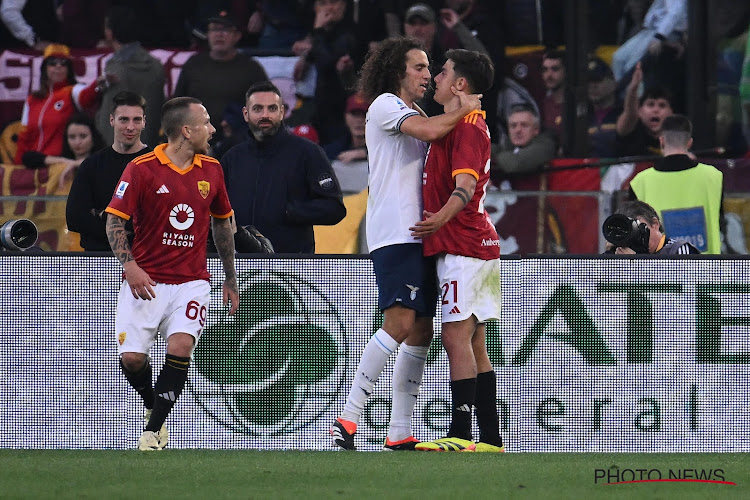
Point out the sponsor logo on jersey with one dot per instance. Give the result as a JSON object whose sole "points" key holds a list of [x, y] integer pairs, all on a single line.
{"points": [[182, 216], [177, 239], [203, 188], [490, 243], [120, 191], [162, 190]]}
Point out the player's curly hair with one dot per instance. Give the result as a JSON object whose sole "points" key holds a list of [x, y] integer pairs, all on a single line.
{"points": [[385, 67]]}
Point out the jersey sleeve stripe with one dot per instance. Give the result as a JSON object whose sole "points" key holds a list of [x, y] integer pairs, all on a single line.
{"points": [[116, 212], [469, 171], [398, 125], [143, 158], [226, 216]]}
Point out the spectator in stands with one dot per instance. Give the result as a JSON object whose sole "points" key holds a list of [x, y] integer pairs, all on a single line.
{"points": [[279, 24], [82, 22], [131, 68], [81, 139], [233, 128], [657, 242], [528, 150], [222, 74], [687, 194], [420, 23], [47, 110], [31, 23], [745, 92], [604, 109], [553, 75], [516, 166], [485, 20], [335, 53], [639, 125], [664, 25], [277, 182], [99, 174], [348, 155]]}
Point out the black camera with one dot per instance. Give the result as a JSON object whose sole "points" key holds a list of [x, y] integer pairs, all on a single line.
{"points": [[622, 231], [18, 234]]}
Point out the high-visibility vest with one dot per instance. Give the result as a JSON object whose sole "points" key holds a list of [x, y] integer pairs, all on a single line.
{"points": [[688, 202]]}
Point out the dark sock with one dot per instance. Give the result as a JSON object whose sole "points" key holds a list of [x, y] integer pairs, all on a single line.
{"points": [[168, 387], [486, 404], [462, 392], [141, 381]]}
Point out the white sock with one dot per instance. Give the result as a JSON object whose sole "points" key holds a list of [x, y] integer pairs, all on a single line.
{"points": [[407, 377], [375, 356]]}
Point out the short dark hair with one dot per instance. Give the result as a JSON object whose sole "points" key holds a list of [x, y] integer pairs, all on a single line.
{"points": [[677, 131], [656, 92], [264, 86], [174, 115], [476, 67], [385, 67], [127, 98], [555, 54], [123, 23], [638, 208], [677, 123]]}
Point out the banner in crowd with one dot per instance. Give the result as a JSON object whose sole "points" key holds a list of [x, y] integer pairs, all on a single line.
{"points": [[600, 355]]}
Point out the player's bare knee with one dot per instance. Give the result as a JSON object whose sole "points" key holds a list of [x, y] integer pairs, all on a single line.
{"points": [[133, 361], [180, 344]]}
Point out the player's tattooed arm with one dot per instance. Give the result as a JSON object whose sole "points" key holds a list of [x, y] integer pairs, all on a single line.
{"points": [[223, 230], [462, 194], [118, 239]]}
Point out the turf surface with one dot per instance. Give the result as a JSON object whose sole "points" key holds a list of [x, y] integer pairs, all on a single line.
{"points": [[182, 474]]}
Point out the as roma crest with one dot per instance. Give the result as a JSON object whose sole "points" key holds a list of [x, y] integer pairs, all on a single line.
{"points": [[203, 188]]}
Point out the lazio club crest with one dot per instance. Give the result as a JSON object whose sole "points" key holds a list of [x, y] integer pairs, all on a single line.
{"points": [[203, 188]]}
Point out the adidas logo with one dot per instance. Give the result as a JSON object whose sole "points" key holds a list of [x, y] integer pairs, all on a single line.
{"points": [[169, 396], [455, 310], [162, 190], [464, 407]]}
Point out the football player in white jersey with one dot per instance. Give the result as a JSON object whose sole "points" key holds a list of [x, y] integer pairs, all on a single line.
{"points": [[395, 76]]}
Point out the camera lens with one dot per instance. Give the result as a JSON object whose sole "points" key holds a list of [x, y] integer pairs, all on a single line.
{"points": [[18, 234], [617, 229]]}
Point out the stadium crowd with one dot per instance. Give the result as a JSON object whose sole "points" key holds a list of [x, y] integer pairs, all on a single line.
{"points": [[636, 72]]}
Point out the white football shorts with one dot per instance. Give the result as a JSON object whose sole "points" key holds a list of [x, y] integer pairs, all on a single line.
{"points": [[469, 286], [178, 308]]}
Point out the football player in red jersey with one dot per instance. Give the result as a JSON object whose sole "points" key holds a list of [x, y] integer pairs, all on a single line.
{"points": [[172, 195], [458, 231]]}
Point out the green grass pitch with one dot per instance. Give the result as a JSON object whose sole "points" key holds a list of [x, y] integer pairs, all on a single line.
{"points": [[174, 473]]}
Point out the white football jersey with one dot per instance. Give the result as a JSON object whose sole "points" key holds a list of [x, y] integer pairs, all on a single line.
{"points": [[396, 162]]}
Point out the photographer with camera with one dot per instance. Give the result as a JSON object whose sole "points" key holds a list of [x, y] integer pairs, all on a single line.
{"points": [[635, 228]]}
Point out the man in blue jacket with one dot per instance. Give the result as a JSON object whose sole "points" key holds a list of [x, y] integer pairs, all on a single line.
{"points": [[280, 183]]}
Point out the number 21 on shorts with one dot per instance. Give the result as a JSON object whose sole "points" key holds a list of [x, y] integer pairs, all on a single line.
{"points": [[450, 292]]}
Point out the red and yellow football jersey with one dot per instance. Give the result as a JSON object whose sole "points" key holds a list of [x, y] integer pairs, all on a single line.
{"points": [[465, 150], [171, 210]]}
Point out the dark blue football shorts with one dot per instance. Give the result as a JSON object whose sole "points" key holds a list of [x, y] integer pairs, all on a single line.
{"points": [[406, 277]]}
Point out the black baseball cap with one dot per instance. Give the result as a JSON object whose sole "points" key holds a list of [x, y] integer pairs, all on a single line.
{"points": [[422, 11], [224, 18]]}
